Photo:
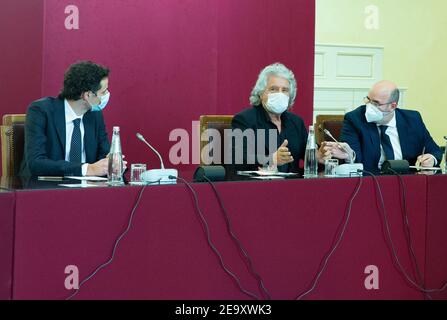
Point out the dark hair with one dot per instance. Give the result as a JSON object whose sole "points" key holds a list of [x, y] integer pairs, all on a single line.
{"points": [[81, 77]]}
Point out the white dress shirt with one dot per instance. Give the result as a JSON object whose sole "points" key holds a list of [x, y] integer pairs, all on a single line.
{"points": [[70, 116]]}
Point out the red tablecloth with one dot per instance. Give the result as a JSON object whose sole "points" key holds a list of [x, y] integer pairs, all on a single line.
{"points": [[6, 243], [286, 226], [436, 256]]}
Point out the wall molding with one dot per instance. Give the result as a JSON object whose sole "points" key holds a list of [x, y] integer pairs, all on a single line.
{"points": [[343, 76]]}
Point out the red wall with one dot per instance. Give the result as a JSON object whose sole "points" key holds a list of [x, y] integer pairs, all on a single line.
{"points": [[21, 26], [174, 60]]}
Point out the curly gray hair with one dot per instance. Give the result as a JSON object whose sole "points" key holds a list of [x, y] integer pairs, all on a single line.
{"points": [[278, 70]]}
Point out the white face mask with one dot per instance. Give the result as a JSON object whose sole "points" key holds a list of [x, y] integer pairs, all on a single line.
{"points": [[104, 100], [277, 103], [373, 114]]}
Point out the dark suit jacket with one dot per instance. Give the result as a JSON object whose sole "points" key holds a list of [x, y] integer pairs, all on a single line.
{"points": [[45, 140], [293, 130], [364, 138]]}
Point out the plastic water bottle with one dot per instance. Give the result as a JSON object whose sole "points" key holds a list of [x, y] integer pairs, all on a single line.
{"points": [[310, 157], [115, 174], [444, 165]]}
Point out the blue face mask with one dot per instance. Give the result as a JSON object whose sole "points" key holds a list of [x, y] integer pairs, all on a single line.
{"points": [[104, 100]]}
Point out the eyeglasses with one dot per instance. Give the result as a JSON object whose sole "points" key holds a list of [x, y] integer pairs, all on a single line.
{"points": [[374, 103]]}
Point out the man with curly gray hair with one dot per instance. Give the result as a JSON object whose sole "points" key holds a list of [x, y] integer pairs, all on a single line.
{"points": [[271, 98]]}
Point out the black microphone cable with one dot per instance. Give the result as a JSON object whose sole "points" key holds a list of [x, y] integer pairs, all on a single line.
{"points": [[391, 243], [334, 247], [408, 231], [210, 243], [102, 266], [247, 259]]}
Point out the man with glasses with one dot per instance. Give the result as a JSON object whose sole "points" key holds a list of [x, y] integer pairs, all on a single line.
{"points": [[66, 135], [380, 131]]}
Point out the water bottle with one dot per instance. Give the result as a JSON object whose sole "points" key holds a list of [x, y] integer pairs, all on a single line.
{"points": [[444, 165], [310, 157], [115, 174]]}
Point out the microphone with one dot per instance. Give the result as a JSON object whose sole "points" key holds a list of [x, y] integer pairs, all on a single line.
{"points": [[329, 134], [346, 169], [140, 136], [158, 176]]}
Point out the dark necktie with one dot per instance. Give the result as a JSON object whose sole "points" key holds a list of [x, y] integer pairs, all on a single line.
{"points": [[386, 144], [75, 149]]}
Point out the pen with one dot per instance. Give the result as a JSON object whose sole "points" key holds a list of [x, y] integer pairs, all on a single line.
{"points": [[418, 162]]}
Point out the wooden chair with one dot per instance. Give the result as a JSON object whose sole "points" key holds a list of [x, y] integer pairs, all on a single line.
{"points": [[333, 123], [219, 123], [13, 143]]}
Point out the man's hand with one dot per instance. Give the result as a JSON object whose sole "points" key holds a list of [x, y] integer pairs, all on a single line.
{"points": [[99, 169], [426, 160], [324, 153], [337, 150], [283, 155]]}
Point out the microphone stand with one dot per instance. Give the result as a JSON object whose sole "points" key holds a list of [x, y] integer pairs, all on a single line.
{"points": [[347, 169], [158, 176]]}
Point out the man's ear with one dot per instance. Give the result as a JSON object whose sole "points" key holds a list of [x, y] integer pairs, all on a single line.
{"points": [[393, 106], [84, 95]]}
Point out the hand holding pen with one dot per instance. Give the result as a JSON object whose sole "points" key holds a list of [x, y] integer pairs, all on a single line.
{"points": [[425, 160]]}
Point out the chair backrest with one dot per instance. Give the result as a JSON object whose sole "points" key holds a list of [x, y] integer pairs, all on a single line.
{"points": [[13, 143], [219, 123], [333, 123]]}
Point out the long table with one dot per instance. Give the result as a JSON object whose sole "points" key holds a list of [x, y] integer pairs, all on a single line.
{"points": [[7, 201], [287, 228]]}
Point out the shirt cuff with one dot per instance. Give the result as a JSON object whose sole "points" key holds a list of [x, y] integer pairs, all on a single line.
{"points": [[84, 169]]}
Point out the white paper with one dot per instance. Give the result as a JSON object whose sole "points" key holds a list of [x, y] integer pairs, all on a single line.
{"points": [[83, 185], [266, 174], [88, 178], [268, 178], [425, 168]]}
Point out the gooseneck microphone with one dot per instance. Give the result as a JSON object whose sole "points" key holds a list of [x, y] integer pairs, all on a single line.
{"points": [[329, 134], [158, 176], [140, 136], [347, 169]]}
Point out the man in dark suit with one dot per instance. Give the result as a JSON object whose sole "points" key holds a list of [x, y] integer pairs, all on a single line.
{"points": [[379, 131], [66, 135], [272, 96]]}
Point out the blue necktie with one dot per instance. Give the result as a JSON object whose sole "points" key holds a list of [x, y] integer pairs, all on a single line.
{"points": [[386, 144], [75, 149]]}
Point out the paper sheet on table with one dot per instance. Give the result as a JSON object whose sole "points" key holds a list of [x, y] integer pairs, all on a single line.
{"points": [[266, 174], [425, 168], [83, 185], [267, 178], [88, 178]]}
